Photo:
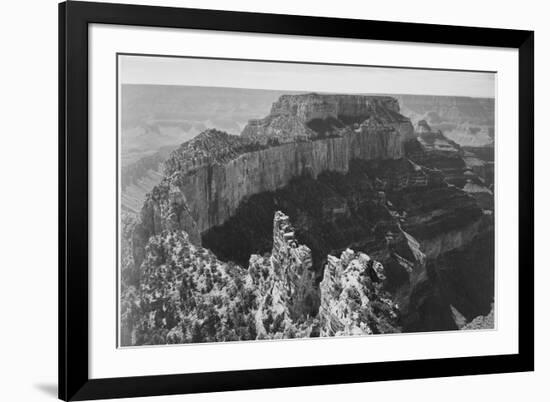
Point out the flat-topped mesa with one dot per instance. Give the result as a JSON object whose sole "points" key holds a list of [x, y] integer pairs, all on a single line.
{"points": [[207, 178], [313, 116], [348, 108]]}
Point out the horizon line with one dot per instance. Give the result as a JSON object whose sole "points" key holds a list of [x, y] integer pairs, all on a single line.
{"points": [[305, 92]]}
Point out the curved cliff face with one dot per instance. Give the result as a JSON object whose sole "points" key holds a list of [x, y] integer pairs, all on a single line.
{"points": [[213, 191], [349, 175], [207, 178]]}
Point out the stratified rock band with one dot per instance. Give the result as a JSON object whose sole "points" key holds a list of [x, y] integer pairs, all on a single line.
{"points": [[328, 215]]}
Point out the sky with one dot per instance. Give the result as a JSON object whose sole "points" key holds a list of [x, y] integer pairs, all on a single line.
{"points": [[303, 77]]}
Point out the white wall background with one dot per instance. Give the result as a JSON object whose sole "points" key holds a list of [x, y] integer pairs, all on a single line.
{"points": [[28, 200]]}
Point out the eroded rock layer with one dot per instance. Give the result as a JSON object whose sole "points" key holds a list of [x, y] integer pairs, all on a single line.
{"points": [[211, 257], [186, 294], [352, 299], [208, 177]]}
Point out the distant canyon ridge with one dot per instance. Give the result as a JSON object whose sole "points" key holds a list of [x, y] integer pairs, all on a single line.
{"points": [[155, 119], [327, 215]]}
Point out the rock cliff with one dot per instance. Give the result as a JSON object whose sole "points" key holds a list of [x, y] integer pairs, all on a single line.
{"points": [[207, 178], [187, 295], [351, 172], [403, 213], [352, 299], [284, 283], [309, 116], [152, 115], [460, 168]]}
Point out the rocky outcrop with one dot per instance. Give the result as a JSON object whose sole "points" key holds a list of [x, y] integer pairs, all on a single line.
{"points": [[350, 175], [290, 263], [346, 107], [152, 115], [481, 322], [187, 295], [399, 212], [309, 116], [207, 178], [433, 149], [284, 283], [422, 127], [139, 177], [352, 299]]}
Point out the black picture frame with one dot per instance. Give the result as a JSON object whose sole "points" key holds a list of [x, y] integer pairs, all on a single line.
{"points": [[74, 18]]}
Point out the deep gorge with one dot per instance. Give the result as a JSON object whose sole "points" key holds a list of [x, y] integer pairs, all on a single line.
{"points": [[324, 190]]}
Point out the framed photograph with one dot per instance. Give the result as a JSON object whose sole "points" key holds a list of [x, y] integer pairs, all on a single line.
{"points": [[258, 201]]}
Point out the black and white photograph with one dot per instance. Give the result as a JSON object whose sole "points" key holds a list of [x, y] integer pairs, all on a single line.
{"points": [[273, 200], [244, 201]]}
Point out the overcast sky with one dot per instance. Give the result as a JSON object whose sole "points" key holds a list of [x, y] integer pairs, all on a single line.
{"points": [[302, 77]]}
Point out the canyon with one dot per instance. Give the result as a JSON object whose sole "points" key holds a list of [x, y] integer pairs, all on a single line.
{"points": [[156, 119], [332, 215]]}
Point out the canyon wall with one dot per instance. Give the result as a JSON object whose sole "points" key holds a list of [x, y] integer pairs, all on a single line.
{"points": [[213, 191], [207, 178], [308, 116], [350, 172]]}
